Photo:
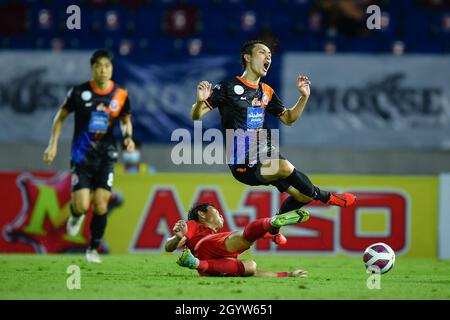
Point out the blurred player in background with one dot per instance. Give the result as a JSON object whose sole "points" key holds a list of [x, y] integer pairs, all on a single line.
{"points": [[242, 103], [97, 105], [215, 253]]}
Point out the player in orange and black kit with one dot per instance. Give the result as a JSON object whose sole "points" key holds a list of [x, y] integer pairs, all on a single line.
{"points": [[97, 105], [243, 102], [215, 253]]}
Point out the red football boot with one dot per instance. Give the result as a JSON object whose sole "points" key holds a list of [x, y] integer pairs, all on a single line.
{"points": [[342, 200], [277, 238]]}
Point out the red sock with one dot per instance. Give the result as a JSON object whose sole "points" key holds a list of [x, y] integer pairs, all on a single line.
{"points": [[256, 229], [222, 267], [282, 274]]}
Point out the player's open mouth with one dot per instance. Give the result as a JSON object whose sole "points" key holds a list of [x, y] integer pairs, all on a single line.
{"points": [[266, 66]]}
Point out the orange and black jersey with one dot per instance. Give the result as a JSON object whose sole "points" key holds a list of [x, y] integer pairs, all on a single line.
{"points": [[243, 105], [96, 112]]}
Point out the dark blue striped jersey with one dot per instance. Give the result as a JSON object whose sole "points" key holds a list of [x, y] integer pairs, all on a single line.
{"points": [[95, 112], [243, 107]]}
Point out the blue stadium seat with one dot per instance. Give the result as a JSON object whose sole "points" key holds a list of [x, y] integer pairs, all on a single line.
{"points": [[418, 26]]}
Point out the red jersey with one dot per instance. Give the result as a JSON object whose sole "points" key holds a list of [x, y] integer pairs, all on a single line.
{"points": [[196, 232]]}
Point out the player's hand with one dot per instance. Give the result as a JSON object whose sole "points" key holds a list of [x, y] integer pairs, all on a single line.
{"points": [[303, 85], [129, 144], [298, 273], [203, 91], [180, 230], [49, 154]]}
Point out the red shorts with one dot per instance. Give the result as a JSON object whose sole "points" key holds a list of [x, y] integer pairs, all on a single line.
{"points": [[213, 247]]}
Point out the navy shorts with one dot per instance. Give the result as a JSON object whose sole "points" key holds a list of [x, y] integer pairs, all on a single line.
{"points": [[250, 175], [100, 175]]}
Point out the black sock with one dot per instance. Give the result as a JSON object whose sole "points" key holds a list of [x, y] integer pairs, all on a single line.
{"points": [[98, 225], [73, 212], [323, 196], [288, 205], [302, 183]]}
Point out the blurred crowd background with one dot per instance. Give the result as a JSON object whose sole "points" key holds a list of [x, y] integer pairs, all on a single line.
{"points": [[171, 28]]}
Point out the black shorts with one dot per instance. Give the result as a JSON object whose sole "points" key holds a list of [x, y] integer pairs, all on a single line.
{"points": [[92, 176], [250, 175]]}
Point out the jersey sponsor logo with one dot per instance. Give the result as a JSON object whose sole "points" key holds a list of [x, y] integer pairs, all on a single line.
{"points": [[99, 122], [86, 95], [114, 105], [255, 118], [238, 89]]}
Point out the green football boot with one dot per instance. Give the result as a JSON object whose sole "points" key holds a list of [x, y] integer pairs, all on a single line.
{"points": [[188, 260], [291, 217]]}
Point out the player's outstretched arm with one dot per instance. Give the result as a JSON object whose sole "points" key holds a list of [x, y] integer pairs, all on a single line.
{"points": [[293, 114], [296, 273], [172, 243], [199, 108], [179, 238], [50, 151], [127, 133]]}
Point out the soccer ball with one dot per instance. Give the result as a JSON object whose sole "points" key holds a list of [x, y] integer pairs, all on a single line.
{"points": [[379, 258]]}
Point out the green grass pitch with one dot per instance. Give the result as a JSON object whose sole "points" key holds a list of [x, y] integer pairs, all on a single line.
{"points": [[157, 276]]}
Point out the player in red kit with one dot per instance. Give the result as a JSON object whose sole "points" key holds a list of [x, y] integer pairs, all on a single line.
{"points": [[215, 253]]}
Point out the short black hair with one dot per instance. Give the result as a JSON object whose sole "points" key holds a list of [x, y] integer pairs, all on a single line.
{"points": [[248, 46], [101, 53], [203, 207]]}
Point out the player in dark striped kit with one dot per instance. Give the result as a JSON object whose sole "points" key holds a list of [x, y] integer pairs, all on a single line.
{"points": [[97, 105], [243, 103]]}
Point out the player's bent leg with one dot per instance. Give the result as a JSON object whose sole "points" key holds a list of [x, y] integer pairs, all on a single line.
{"points": [[288, 173], [296, 200], [255, 230], [226, 266], [237, 242], [101, 200], [334, 199], [98, 224], [275, 169], [80, 201], [307, 191], [249, 267]]}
